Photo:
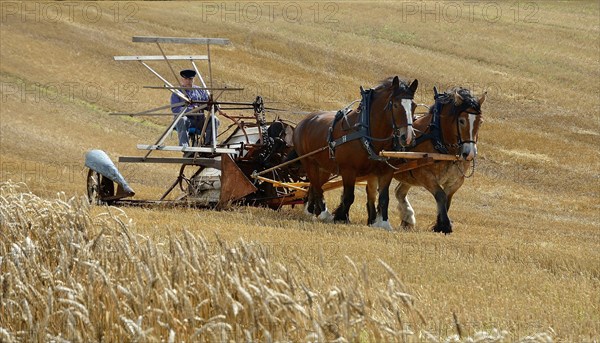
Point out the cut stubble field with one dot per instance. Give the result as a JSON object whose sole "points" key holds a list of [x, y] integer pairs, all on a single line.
{"points": [[524, 256]]}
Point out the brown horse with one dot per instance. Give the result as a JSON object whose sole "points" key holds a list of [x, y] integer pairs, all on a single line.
{"points": [[450, 127], [355, 138]]}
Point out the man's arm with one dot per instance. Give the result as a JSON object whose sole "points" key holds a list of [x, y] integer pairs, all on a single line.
{"points": [[203, 95], [174, 100], [199, 94]]}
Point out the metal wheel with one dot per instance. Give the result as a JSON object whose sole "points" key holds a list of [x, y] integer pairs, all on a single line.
{"points": [[93, 187], [186, 174], [99, 188]]}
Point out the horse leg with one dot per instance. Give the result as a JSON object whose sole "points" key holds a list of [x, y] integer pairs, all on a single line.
{"points": [[321, 210], [451, 189], [342, 213], [309, 207], [371, 195], [443, 223], [382, 220], [407, 214], [316, 203], [430, 182]]}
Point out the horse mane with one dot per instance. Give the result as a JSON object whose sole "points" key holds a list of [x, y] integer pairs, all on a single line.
{"points": [[387, 83], [469, 100]]}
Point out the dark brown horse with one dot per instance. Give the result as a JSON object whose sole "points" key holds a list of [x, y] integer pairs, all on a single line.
{"points": [[382, 121], [450, 127]]}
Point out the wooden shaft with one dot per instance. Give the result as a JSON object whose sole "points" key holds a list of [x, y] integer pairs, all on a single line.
{"points": [[149, 112], [255, 175], [281, 184], [168, 131], [200, 77], [195, 88], [210, 79], [180, 40], [168, 63], [415, 155], [176, 91], [337, 183]]}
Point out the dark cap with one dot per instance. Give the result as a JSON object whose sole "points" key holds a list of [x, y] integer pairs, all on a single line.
{"points": [[187, 73]]}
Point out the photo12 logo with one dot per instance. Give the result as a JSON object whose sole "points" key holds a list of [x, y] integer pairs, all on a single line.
{"points": [[470, 11], [37, 172], [53, 92], [254, 12], [53, 12]]}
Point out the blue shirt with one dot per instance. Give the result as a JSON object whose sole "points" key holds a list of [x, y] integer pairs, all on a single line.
{"points": [[193, 94]]}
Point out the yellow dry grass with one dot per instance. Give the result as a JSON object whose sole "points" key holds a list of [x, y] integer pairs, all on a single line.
{"points": [[69, 275], [524, 256]]}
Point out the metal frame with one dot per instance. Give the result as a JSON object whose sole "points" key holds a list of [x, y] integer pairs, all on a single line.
{"points": [[162, 58], [187, 149], [181, 40], [142, 59]]}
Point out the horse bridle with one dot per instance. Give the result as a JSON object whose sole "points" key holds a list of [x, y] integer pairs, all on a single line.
{"points": [[454, 110], [395, 129], [460, 143]]}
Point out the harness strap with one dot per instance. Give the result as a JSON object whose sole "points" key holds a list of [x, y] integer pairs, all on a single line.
{"points": [[345, 138], [369, 147], [365, 113], [435, 129], [362, 128], [338, 116]]}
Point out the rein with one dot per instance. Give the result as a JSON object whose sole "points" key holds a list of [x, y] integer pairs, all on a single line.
{"points": [[472, 170]]}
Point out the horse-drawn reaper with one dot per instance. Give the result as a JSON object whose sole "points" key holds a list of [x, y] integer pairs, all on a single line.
{"points": [[257, 163]]}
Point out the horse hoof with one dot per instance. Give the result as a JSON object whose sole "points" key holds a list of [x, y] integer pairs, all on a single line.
{"points": [[406, 226], [383, 225], [442, 229], [307, 212], [341, 218], [409, 221], [380, 223], [326, 216]]}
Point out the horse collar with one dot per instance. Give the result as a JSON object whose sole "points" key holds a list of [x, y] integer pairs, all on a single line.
{"points": [[363, 127], [435, 128]]}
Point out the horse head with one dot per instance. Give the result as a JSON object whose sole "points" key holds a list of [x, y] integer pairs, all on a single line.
{"points": [[400, 108], [464, 109]]}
